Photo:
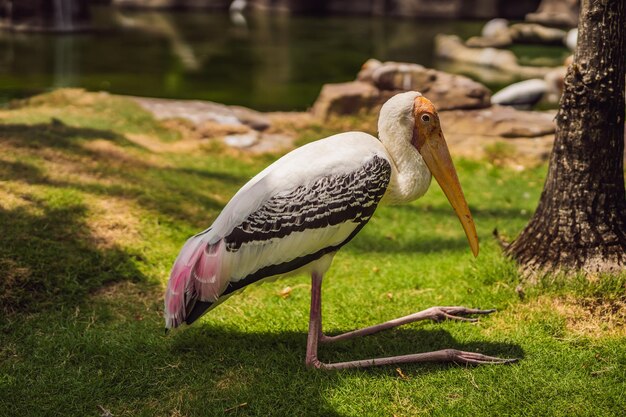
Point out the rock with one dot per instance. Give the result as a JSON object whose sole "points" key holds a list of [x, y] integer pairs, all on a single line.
{"points": [[346, 98], [195, 111], [525, 94], [367, 69], [199, 112], [555, 80], [498, 121], [446, 91], [494, 28], [571, 39], [256, 120], [495, 42], [242, 140], [528, 136], [450, 47], [522, 94], [556, 13], [377, 82], [495, 34], [536, 33], [272, 143]]}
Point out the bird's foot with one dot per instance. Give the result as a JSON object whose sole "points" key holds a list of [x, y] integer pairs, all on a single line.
{"points": [[441, 356], [439, 314], [471, 358]]}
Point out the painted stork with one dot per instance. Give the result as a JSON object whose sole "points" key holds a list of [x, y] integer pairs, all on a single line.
{"points": [[297, 213]]}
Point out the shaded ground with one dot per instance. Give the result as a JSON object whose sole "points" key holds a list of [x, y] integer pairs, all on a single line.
{"points": [[91, 220]]}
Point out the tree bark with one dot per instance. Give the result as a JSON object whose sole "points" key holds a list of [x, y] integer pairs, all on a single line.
{"points": [[580, 223]]}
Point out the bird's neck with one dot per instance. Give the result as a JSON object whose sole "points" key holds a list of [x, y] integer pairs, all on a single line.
{"points": [[410, 177]]}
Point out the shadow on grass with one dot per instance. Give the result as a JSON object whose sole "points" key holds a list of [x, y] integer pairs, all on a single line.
{"points": [[47, 253], [47, 257], [274, 362], [57, 135], [169, 190]]}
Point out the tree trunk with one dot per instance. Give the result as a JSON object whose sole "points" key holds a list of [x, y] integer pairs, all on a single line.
{"points": [[580, 223]]}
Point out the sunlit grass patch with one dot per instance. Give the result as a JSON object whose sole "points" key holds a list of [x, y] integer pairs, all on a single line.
{"points": [[92, 220]]}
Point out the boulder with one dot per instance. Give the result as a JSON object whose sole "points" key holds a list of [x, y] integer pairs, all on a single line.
{"points": [[500, 121], [452, 48], [377, 82], [495, 34], [346, 98], [523, 94], [480, 133], [367, 69], [252, 118], [199, 112], [446, 91], [571, 39], [556, 13], [494, 42], [536, 33]]}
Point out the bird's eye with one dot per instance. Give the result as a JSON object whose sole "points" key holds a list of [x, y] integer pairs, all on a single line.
{"points": [[425, 118]]}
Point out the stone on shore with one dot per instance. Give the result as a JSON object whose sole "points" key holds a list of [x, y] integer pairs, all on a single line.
{"points": [[377, 82], [346, 98], [452, 48], [499, 121], [536, 33], [556, 13]]}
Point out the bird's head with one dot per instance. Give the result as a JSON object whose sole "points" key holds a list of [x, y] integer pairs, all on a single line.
{"points": [[412, 116]]}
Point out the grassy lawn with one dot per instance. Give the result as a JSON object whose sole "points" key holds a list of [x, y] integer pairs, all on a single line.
{"points": [[96, 199]]}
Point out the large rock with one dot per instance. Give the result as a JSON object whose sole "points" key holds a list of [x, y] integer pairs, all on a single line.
{"points": [[377, 82], [498, 121], [556, 13], [347, 98], [480, 133], [452, 48], [446, 91], [199, 112], [495, 34], [536, 33]]}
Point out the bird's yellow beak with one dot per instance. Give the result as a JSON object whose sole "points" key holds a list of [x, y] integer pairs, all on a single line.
{"points": [[430, 143]]}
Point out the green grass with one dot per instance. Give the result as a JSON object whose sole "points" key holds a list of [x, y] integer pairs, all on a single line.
{"points": [[91, 222]]}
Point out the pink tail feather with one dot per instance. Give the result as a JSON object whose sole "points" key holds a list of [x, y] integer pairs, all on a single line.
{"points": [[195, 275]]}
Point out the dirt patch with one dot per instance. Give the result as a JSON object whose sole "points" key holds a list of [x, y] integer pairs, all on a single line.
{"points": [[582, 317], [593, 317], [112, 222]]}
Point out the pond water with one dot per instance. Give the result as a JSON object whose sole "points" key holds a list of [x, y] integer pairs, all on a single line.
{"points": [[267, 62]]}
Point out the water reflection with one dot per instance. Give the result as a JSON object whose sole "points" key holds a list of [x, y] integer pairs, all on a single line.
{"points": [[268, 62], [66, 70]]}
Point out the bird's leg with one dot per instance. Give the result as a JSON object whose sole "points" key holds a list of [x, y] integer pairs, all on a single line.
{"points": [[315, 322], [433, 313], [444, 355]]}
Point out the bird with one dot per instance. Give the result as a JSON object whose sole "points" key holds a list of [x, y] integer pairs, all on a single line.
{"points": [[298, 212]]}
